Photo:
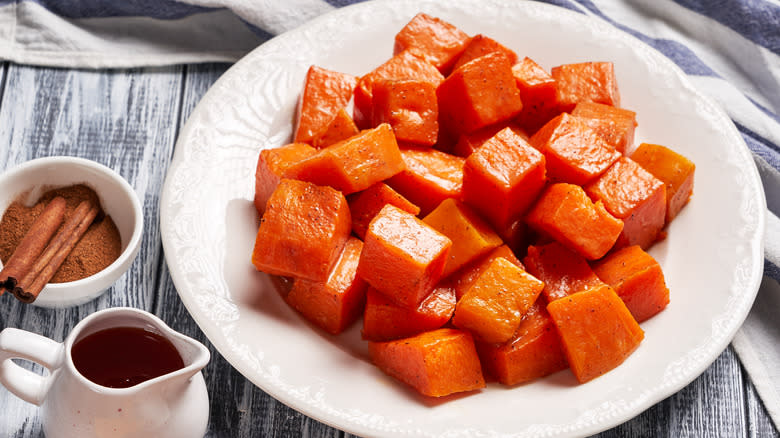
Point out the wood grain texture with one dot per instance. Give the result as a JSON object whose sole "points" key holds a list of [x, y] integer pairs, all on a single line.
{"points": [[3, 69], [122, 119], [759, 423]]}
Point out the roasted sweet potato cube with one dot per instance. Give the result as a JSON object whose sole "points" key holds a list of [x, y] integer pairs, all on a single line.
{"points": [[562, 270], [468, 143], [586, 82], [614, 125], [539, 93], [271, 165], [534, 351], [337, 302], [354, 164], [411, 109], [503, 177], [303, 231], [384, 320], [479, 93], [480, 45], [440, 42], [471, 236], [494, 305], [565, 213], [435, 363], [638, 280], [340, 128], [409, 64], [366, 204], [673, 169], [324, 93], [403, 257], [597, 331], [635, 196], [431, 176], [575, 153], [465, 277]]}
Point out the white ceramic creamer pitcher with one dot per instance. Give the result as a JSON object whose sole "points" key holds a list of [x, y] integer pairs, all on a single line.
{"points": [[171, 406]]}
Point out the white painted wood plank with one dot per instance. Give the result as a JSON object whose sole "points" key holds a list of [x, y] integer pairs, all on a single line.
{"points": [[123, 119], [238, 408], [759, 423], [3, 69]]}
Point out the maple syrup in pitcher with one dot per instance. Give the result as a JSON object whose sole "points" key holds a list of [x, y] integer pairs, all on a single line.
{"points": [[122, 357]]}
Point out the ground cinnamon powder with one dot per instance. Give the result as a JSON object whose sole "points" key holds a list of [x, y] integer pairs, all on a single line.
{"points": [[97, 249]]}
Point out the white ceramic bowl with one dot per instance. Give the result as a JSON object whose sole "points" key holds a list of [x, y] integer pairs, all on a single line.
{"points": [[117, 198]]}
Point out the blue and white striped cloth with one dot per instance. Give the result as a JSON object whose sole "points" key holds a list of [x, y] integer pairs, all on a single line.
{"points": [[729, 48]]}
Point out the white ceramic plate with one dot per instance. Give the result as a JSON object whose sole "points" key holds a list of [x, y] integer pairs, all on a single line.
{"points": [[712, 257]]}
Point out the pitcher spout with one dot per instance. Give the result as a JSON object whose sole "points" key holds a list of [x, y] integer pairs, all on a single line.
{"points": [[194, 355]]}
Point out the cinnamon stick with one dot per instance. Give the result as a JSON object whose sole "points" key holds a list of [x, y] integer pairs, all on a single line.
{"points": [[28, 288], [33, 244]]}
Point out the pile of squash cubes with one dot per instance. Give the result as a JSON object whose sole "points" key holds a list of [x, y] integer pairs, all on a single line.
{"points": [[480, 214]]}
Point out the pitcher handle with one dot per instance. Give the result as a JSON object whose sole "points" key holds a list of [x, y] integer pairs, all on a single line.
{"points": [[20, 344]]}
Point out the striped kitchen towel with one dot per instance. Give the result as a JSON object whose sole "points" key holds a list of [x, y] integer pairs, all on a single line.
{"points": [[729, 48]]}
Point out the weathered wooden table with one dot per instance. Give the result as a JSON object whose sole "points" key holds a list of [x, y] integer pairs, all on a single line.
{"points": [[129, 120]]}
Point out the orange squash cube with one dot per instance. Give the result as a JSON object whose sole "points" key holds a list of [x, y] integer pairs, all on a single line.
{"points": [[468, 143], [534, 351], [565, 213], [435, 363], [638, 280], [471, 236], [480, 45], [271, 165], [384, 320], [324, 93], [539, 93], [614, 125], [575, 153], [503, 177], [341, 128], [354, 164], [635, 196], [479, 93], [494, 305], [466, 276], [586, 82], [409, 64], [431, 176], [440, 42], [673, 169], [303, 231], [402, 256], [366, 204], [563, 271], [597, 331], [337, 302], [410, 108]]}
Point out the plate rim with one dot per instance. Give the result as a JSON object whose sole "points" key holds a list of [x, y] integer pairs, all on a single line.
{"points": [[210, 329]]}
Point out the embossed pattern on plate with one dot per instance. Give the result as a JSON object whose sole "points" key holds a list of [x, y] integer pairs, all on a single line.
{"points": [[712, 257]]}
